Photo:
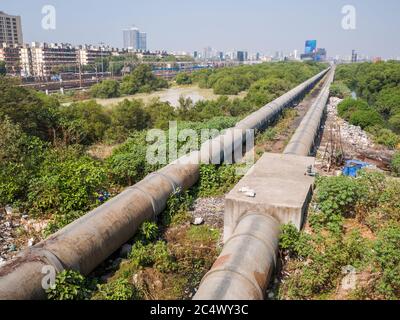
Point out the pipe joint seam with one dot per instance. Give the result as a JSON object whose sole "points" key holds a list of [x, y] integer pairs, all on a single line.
{"points": [[241, 275]]}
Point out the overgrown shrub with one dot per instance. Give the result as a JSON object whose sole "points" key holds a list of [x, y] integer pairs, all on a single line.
{"points": [[117, 290], [20, 155], [336, 197], [387, 256], [183, 78], [128, 164], [154, 255], [216, 180], [395, 165], [67, 181], [340, 90], [106, 89], [69, 285]]}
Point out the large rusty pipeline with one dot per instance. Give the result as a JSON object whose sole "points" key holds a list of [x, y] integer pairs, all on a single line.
{"points": [[88, 241], [244, 268], [302, 142], [246, 263]]}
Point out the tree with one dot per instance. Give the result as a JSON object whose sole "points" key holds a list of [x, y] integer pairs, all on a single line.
{"points": [[106, 89], [183, 78], [388, 101], [396, 163], [142, 79], [35, 112], [83, 122], [128, 163], [394, 122], [340, 90], [366, 118], [130, 115], [161, 113], [67, 181], [20, 155], [263, 91], [227, 85]]}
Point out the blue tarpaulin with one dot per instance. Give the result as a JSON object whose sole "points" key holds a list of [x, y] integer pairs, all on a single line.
{"points": [[352, 167]]}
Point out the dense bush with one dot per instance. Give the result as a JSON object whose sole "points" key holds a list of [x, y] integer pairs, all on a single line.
{"points": [[20, 155], [66, 181], [318, 255], [263, 91], [385, 137], [130, 115], [396, 163], [216, 180], [237, 79], [387, 256], [358, 113], [379, 85], [142, 79], [183, 78], [69, 285], [34, 112], [84, 123], [106, 89], [340, 90], [335, 197], [128, 164], [388, 101], [152, 254], [366, 118], [161, 113], [118, 290]]}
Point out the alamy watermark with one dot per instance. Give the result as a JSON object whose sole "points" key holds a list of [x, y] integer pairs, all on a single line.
{"points": [[49, 20], [227, 147], [349, 20]]}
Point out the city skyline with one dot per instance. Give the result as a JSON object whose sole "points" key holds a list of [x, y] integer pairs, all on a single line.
{"points": [[257, 26]]}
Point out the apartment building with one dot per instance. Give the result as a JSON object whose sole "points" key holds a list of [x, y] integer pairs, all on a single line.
{"points": [[10, 54], [48, 58], [88, 55], [10, 29]]}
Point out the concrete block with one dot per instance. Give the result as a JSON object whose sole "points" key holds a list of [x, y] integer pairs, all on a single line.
{"points": [[282, 190]]}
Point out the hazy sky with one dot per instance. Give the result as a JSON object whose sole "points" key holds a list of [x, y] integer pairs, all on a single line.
{"points": [[186, 25]]}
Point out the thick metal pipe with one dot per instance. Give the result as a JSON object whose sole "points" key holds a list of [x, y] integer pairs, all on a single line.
{"points": [[246, 263], [88, 241], [245, 266], [303, 139]]}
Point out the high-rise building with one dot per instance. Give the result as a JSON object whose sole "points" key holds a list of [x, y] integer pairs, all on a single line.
{"points": [[354, 56], [311, 46], [142, 41], [10, 29], [241, 56], [134, 39]]}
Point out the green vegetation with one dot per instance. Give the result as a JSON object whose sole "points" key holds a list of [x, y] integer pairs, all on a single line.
{"points": [[183, 78], [70, 285], [396, 163], [356, 222], [377, 109], [264, 81], [48, 170], [106, 89], [340, 90], [3, 69], [66, 180], [141, 80]]}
